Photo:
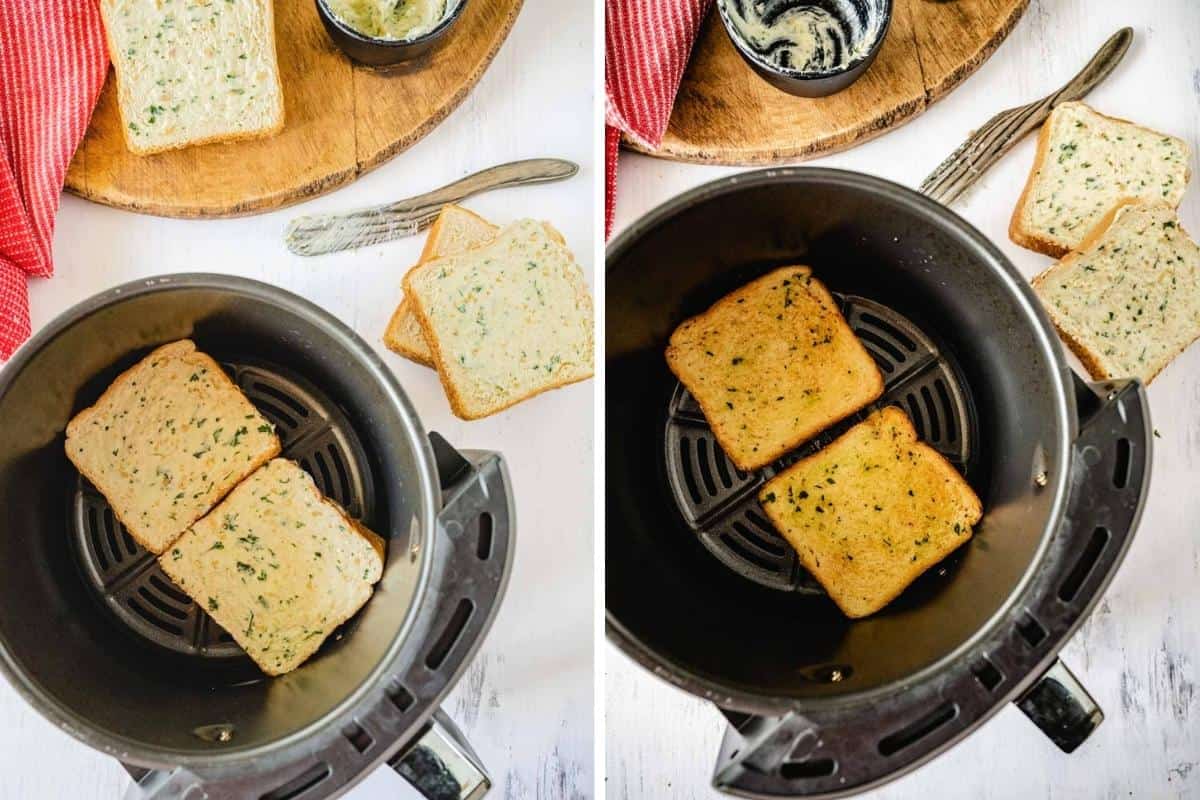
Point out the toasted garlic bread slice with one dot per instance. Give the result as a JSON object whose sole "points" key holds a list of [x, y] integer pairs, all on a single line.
{"points": [[872, 511], [772, 364]]}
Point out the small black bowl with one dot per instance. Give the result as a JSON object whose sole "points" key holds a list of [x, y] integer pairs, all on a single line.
{"points": [[385, 52], [819, 83]]}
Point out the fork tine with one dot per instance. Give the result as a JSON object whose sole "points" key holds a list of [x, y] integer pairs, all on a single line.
{"points": [[953, 168], [954, 161]]}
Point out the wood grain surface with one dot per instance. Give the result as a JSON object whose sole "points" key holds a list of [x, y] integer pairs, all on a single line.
{"points": [[341, 120], [726, 114]]}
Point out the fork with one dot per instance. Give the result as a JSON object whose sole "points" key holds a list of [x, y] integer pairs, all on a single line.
{"points": [[999, 134]]}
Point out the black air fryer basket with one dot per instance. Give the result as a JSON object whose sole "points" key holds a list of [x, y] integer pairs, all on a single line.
{"points": [[701, 589], [99, 641]]}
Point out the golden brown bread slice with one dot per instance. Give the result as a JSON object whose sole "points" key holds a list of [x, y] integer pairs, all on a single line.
{"points": [[167, 440], [872, 511], [456, 230], [277, 565], [1128, 302], [772, 364]]}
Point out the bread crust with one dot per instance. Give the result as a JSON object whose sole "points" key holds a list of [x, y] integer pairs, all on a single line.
{"points": [[457, 405], [176, 349], [1032, 241], [136, 149], [1016, 232], [398, 345], [875, 391], [392, 337]]}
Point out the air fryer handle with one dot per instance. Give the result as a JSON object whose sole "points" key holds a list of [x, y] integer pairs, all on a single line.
{"points": [[1060, 706], [1110, 474], [440, 763], [828, 752]]}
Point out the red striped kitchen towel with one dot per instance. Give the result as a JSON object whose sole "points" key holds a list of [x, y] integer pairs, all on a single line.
{"points": [[646, 48], [53, 60]]}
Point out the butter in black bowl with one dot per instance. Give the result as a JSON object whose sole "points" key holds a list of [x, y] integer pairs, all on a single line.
{"points": [[809, 48], [381, 33]]}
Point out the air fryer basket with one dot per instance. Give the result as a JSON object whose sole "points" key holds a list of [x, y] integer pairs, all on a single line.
{"points": [[702, 590], [138, 671]]}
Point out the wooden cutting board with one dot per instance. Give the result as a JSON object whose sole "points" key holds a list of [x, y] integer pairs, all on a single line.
{"points": [[725, 114], [341, 120]]}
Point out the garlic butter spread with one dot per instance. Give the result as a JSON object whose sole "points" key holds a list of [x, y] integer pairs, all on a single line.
{"points": [[390, 19], [806, 36]]}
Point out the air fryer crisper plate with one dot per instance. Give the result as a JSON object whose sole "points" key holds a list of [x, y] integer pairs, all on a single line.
{"points": [[719, 501], [127, 577]]}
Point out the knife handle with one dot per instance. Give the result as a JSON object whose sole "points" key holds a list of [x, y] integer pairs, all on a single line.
{"points": [[516, 173]]}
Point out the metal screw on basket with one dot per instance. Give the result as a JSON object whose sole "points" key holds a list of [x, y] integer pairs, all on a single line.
{"points": [[1041, 479]]}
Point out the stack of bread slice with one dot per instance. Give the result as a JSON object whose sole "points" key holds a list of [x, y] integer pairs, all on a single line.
{"points": [[1102, 196], [503, 314], [188, 466]]}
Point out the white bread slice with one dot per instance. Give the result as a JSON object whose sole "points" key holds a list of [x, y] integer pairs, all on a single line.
{"points": [[1129, 301], [167, 440], [1086, 165], [277, 565], [193, 72], [505, 321], [455, 231], [871, 512], [772, 364]]}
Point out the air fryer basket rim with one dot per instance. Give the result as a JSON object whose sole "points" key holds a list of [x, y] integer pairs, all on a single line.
{"points": [[354, 346], [1047, 341]]}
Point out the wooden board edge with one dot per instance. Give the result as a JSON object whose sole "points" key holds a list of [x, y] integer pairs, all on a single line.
{"points": [[986, 50], [258, 205], [374, 160], [833, 143], [324, 185], [842, 140]]}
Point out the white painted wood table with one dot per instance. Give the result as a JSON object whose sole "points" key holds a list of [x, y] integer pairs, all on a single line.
{"points": [[526, 702], [1139, 654]]}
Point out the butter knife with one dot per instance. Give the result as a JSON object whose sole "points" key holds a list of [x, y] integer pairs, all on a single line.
{"points": [[328, 233], [999, 134]]}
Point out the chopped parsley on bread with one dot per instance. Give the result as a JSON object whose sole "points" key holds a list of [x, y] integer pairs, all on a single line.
{"points": [[1128, 302], [277, 565], [1086, 165], [505, 321], [773, 364], [193, 72], [167, 440], [455, 231], [872, 511]]}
